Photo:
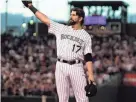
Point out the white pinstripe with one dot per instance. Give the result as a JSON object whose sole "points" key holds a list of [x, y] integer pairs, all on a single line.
{"points": [[67, 39]]}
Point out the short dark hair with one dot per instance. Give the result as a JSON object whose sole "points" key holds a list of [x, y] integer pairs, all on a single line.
{"points": [[80, 12]]}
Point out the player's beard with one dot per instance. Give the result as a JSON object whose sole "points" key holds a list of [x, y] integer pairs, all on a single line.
{"points": [[71, 22]]}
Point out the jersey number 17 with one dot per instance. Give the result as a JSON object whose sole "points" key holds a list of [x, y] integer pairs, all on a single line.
{"points": [[76, 48]]}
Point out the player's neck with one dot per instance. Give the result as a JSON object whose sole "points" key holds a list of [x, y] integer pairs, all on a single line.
{"points": [[77, 27]]}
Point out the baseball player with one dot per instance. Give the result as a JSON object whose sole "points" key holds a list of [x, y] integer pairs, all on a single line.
{"points": [[73, 47]]}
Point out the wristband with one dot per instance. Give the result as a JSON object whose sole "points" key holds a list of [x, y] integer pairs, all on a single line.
{"points": [[33, 9]]}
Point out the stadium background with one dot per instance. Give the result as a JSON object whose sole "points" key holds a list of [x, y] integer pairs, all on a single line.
{"points": [[28, 52]]}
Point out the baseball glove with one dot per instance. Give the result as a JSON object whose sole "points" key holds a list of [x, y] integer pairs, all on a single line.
{"points": [[90, 89], [26, 2]]}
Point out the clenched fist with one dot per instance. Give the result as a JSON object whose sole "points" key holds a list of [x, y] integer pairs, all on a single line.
{"points": [[27, 2]]}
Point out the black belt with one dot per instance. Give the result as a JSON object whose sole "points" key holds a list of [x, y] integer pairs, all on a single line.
{"points": [[69, 62]]}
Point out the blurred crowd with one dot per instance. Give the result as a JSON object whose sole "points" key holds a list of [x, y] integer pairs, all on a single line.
{"points": [[28, 62], [113, 54], [28, 65]]}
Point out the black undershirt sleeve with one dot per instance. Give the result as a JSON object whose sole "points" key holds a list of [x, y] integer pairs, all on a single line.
{"points": [[88, 57]]}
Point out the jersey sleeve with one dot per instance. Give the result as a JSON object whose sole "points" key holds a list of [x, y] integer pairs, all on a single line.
{"points": [[55, 27], [88, 46]]}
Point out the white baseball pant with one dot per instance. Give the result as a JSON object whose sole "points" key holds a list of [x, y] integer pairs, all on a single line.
{"points": [[65, 75]]}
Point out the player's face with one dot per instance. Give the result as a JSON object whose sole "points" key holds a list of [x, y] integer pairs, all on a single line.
{"points": [[74, 18]]}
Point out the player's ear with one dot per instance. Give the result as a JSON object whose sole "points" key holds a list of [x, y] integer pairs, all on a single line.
{"points": [[80, 19]]}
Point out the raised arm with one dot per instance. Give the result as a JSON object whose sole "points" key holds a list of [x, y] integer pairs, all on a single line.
{"points": [[42, 17]]}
